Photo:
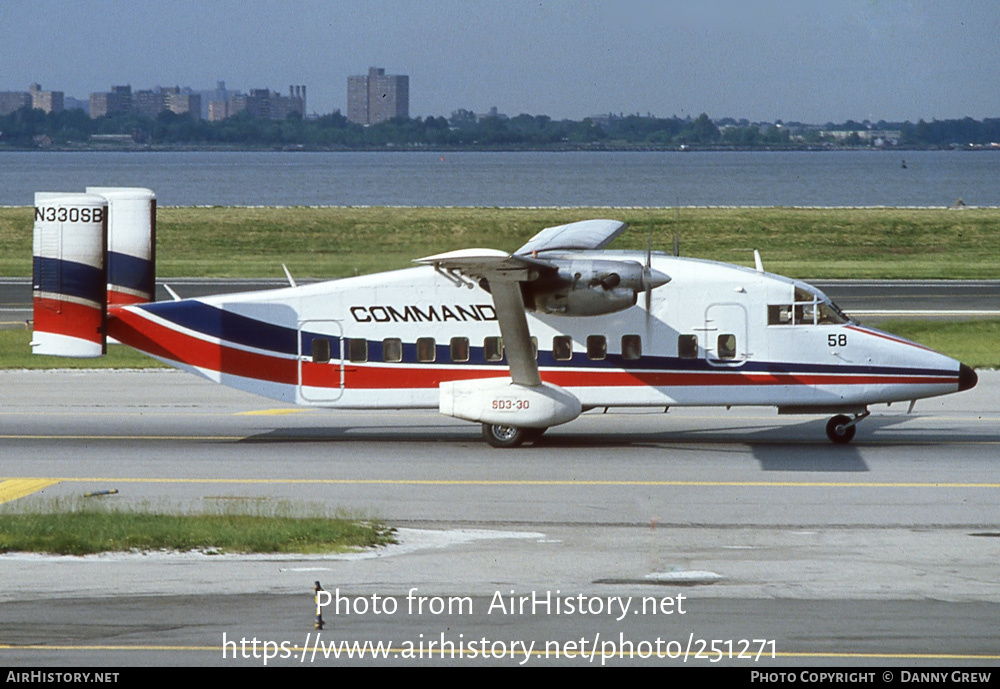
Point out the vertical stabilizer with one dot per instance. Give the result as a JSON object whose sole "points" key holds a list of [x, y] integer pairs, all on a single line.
{"points": [[131, 244], [69, 287]]}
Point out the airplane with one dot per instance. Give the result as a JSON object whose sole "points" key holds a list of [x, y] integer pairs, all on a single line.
{"points": [[517, 342]]}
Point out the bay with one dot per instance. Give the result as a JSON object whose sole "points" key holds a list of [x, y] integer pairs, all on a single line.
{"points": [[505, 179]]}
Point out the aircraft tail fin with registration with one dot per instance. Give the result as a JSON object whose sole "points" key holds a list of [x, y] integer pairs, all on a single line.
{"points": [[90, 250]]}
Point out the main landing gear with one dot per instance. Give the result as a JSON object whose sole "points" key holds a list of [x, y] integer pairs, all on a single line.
{"points": [[510, 436], [841, 429]]}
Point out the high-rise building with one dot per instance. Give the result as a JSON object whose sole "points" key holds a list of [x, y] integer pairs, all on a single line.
{"points": [[47, 101], [119, 99], [376, 97]]}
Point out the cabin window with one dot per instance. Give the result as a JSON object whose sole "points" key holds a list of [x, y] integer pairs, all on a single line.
{"points": [[459, 349], [727, 347], [320, 350], [597, 347], [631, 347], [493, 349], [392, 350], [534, 348], [562, 348], [426, 349], [357, 350], [687, 346]]}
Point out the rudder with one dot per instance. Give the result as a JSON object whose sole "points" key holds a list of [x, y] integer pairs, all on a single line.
{"points": [[69, 284]]}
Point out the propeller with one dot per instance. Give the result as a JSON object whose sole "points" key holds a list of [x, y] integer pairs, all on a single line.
{"points": [[651, 279]]}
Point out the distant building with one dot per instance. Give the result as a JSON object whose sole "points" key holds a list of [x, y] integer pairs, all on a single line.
{"points": [[12, 101], [119, 99], [262, 103], [46, 101], [148, 103], [34, 97], [377, 97], [182, 102]]}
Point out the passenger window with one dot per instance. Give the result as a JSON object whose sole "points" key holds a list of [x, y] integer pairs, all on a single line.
{"points": [[426, 349], [320, 351], [392, 350], [727, 347], [687, 346], [597, 347], [631, 347], [562, 348], [493, 349], [357, 350], [459, 349]]}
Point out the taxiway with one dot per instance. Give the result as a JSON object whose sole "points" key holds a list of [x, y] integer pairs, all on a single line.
{"points": [[882, 552]]}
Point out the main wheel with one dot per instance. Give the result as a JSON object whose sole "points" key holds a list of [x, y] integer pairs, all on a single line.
{"points": [[837, 432], [503, 436]]}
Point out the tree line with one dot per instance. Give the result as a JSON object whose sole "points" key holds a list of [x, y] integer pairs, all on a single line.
{"points": [[29, 128]]}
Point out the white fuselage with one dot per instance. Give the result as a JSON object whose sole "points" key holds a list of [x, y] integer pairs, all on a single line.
{"points": [[717, 334]]}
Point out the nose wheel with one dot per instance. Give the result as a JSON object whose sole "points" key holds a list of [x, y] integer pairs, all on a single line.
{"points": [[841, 429]]}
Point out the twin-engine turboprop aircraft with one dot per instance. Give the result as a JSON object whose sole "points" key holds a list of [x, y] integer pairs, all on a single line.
{"points": [[517, 342]]}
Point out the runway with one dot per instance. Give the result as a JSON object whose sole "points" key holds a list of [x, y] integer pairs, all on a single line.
{"points": [[882, 552]]}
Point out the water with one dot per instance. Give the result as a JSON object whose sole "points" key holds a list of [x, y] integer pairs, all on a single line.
{"points": [[842, 178]]}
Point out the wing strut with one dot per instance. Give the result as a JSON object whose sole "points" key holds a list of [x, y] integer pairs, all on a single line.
{"points": [[514, 330]]}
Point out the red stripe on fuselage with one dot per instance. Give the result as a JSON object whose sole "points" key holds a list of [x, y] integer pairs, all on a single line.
{"points": [[68, 318], [158, 340], [887, 336]]}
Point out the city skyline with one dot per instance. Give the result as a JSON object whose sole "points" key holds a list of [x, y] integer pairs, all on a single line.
{"points": [[763, 61]]}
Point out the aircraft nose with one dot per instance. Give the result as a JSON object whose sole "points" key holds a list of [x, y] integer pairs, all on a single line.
{"points": [[967, 378]]}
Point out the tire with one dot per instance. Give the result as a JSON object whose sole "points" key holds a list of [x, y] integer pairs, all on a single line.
{"points": [[836, 433], [503, 436]]}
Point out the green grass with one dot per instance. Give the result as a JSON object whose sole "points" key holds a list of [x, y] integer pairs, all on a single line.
{"points": [[339, 242], [92, 525], [15, 353]]}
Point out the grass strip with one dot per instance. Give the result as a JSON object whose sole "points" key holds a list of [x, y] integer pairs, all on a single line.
{"points": [[81, 528], [934, 243], [972, 342], [15, 353]]}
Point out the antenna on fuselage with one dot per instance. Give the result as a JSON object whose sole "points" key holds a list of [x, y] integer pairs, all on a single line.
{"points": [[677, 230]]}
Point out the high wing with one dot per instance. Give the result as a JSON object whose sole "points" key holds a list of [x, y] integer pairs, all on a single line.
{"points": [[558, 285], [586, 234]]}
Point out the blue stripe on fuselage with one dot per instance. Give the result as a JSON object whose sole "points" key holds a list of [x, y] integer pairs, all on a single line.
{"points": [[250, 332]]}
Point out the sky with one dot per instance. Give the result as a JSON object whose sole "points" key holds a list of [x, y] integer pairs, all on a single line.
{"points": [[795, 60]]}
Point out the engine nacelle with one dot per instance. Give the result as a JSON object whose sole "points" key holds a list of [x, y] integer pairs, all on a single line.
{"points": [[500, 401], [587, 287]]}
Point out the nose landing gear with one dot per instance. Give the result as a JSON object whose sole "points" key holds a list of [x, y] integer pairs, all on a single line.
{"points": [[841, 429]]}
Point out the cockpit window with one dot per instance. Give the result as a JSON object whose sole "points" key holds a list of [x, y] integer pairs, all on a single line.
{"points": [[809, 308]]}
